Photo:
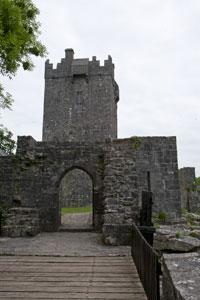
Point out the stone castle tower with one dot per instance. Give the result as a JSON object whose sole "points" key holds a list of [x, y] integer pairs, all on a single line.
{"points": [[80, 134], [80, 101]]}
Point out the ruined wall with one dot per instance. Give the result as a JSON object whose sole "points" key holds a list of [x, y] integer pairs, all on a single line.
{"points": [[76, 189], [120, 191], [80, 101], [39, 170], [194, 200], [190, 192], [7, 188], [187, 180], [119, 170], [157, 170]]}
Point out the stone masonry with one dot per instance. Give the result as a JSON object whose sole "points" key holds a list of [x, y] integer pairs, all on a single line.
{"points": [[80, 102], [76, 189], [157, 171], [190, 192], [80, 133], [120, 191]]}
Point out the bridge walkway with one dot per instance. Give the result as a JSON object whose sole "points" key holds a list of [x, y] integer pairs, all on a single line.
{"points": [[52, 277]]}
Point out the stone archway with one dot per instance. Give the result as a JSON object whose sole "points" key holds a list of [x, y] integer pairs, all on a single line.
{"points": [[76, 192]]}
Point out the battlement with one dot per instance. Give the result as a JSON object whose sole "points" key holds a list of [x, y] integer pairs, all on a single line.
{"points": [[70, 67]]}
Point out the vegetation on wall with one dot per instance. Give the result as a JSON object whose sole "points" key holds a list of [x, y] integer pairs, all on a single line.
{"points": [[198, 181]]}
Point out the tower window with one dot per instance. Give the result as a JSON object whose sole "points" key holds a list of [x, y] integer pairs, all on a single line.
{"points": [[79, 101]]}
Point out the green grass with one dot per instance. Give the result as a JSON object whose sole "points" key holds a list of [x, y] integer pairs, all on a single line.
{"points": [[72, 210]]}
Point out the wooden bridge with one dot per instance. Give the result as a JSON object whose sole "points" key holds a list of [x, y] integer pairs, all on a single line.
{"points": [[55, 266], [51, 277]]}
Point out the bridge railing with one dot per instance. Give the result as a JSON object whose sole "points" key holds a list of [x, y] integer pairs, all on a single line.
{"points": [[147, 264]]}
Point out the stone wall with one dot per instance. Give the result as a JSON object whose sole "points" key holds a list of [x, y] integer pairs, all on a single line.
{"points": [[157, 170], [80, 101], [119, 170], [76, 189], [190, 193], [21, 222], [194, 200], [39, 169], [181, 273], [120, 191], [8, 189]]}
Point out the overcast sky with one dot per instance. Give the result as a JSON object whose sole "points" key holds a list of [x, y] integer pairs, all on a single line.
{"points": [[155, 46]]}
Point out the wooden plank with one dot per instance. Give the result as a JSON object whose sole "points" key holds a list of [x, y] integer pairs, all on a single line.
{"points": [[44, 295], [78, 283], [38, 263], [66, 258], [3, 275], [71, 289], [61, 269], [115, 296], [70, 278]]}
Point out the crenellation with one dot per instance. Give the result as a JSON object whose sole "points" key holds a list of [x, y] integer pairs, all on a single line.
{"points": [[69, 67], [25, 143]]}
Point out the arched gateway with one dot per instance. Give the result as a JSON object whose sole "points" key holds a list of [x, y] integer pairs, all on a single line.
{"points": [[51, 164], [76, 188]]}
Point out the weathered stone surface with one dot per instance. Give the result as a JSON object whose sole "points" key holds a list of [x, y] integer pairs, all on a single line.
{"points": [[184, 244], [190, 192], [157, 170], [181, 273], [176, 238], [194, 199], [120, 192], [21, 222], [187, 180], [84, 96], [76, 189], [61, 244]]}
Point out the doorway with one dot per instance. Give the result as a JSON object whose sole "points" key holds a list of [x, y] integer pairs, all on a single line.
{"points": [[76, 199]]}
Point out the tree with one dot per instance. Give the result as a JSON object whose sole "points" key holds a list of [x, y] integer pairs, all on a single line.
{"points": [[198, 181], [7, 144], [19, 33]]}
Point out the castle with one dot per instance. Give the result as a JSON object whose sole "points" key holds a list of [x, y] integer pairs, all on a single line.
{"points": [[80, 133]]}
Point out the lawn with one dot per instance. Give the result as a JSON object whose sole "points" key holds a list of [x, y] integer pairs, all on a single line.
{"points": [[72, 210]]}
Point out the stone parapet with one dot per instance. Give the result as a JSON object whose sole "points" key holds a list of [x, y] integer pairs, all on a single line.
{"points": [[181, 273]]}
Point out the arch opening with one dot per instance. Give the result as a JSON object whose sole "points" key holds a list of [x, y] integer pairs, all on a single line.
{"points": [[76, 198]]}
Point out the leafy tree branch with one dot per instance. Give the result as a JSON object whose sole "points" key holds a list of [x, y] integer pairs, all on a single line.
{"points": [[19, 32]]}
